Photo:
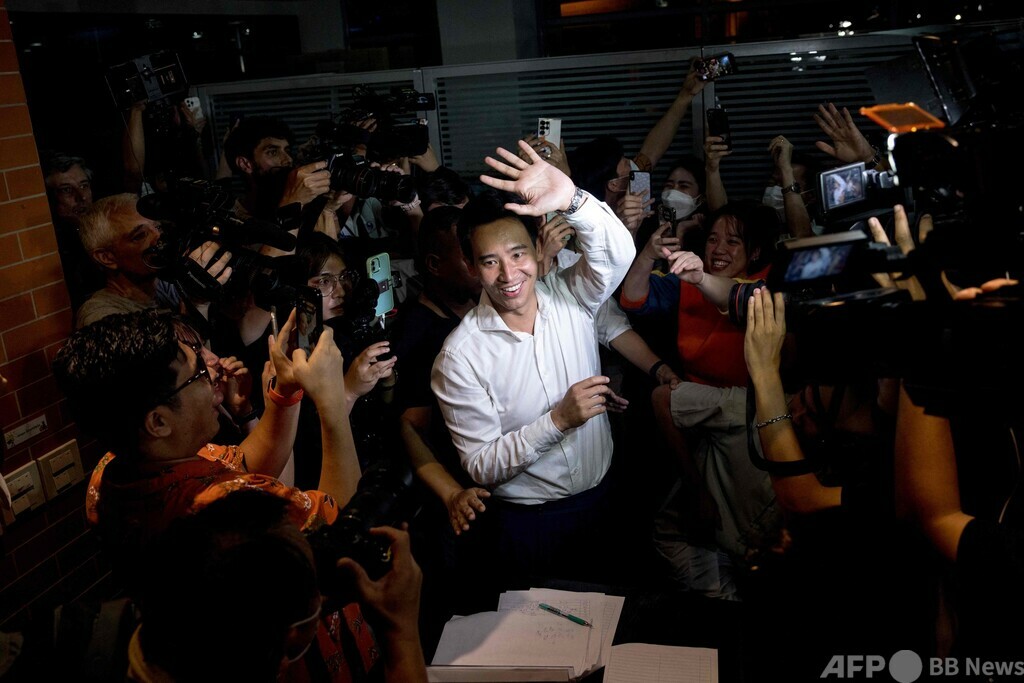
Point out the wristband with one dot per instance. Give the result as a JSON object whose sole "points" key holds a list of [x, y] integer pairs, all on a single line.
{"points": [[653, 372], [278, 399], [771, 421]]}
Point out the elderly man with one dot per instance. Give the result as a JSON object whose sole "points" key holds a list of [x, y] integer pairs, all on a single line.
{"points": [[121, 242]]}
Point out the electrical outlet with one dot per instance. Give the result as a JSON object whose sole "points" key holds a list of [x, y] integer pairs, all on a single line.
{"points": [[26, 489], [24, 432], [60, 469]]}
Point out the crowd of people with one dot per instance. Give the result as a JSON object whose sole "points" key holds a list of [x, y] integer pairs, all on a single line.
{"points": [[578, 386]]}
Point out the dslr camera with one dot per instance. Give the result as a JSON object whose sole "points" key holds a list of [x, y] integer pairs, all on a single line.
{"points": [[384, 497]]}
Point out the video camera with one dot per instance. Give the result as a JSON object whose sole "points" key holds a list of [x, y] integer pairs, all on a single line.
{"points": [[384, 497], [339, 140], [195, 211]]}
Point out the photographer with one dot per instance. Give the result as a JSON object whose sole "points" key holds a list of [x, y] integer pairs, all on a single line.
{"points": [[250, 639], [258, 149], [120, 241]]}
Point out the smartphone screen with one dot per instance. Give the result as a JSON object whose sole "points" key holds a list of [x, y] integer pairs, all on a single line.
{"points": [[640, 182], [715, 67], [309, 320]]}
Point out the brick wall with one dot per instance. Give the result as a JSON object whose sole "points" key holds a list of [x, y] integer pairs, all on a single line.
{"points": [[47, 557]]}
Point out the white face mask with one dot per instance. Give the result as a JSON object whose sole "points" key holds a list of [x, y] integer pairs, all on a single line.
{"points": [[683, 203], [773, 198]]}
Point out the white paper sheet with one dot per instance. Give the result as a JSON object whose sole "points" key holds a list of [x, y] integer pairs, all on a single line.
{"points": [[644, 663]]}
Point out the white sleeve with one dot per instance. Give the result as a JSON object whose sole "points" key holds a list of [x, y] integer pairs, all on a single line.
{"points": [[488, 456]]}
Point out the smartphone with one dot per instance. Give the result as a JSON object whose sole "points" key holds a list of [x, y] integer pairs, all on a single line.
{"points": [[666, 214], [309, 320], [378, 268], [715, 67], [195, 106], [718, 124], [550, 130], [640, 182]]}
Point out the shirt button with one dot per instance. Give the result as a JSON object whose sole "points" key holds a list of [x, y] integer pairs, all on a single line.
{"points": [[575, 470]]}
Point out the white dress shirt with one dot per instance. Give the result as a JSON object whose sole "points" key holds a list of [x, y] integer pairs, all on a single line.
{"points": [[497, 387]]}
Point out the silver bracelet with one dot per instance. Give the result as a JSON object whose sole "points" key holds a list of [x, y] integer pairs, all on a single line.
{"points": [[771, 421]]}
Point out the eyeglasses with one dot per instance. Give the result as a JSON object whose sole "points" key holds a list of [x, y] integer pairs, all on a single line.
{"points": [[201, 372], [326, 283]]}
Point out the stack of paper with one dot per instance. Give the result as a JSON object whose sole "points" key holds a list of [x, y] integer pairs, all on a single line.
{"points": [[643, 663], [521, 635]]}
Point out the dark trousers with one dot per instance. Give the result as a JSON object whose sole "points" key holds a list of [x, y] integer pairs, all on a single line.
{"points": [[562, 539]]}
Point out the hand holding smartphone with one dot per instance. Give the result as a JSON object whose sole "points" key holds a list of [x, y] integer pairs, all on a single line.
{"points": [[718, 125], [551, 130], [640, 183], [309, 320], [378, 268]]}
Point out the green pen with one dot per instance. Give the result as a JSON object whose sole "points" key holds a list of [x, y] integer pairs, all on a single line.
{"points": [[570, 617]]}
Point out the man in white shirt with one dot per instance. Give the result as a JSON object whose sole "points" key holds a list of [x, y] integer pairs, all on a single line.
{"points": [[519, 380]]}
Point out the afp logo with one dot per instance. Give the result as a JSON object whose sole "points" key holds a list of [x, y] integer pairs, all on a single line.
{"points": [[904, 666]]}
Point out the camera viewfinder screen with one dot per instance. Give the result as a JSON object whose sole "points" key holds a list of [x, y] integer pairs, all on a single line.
{"points": [[811, 264], [843, 186]]}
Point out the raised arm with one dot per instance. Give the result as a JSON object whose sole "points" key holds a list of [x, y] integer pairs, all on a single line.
{"points": [[606, 246], [926, 476], [321, 375], [269, 445], [798, 220], [715, 150], [762, 350], [659, 139]]}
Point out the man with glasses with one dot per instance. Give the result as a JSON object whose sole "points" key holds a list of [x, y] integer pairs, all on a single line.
{"points": [[151, 399], [120, 240]]}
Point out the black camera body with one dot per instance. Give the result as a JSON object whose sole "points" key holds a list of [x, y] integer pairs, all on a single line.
{"points": [[353, 173], [341, 142], [194, 211], [384, 497]]}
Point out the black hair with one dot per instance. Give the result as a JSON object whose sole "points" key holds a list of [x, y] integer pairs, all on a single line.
{"points": [[443, 186], [692, 164], [206, 611], [430, 238], [61, 162], [312, 252], [489, 207], [243, 140], [594, 163], [758, 226], [116, 370]]}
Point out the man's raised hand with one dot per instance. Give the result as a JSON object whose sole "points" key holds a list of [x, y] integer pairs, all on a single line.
{"points": [[543, 186]]}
